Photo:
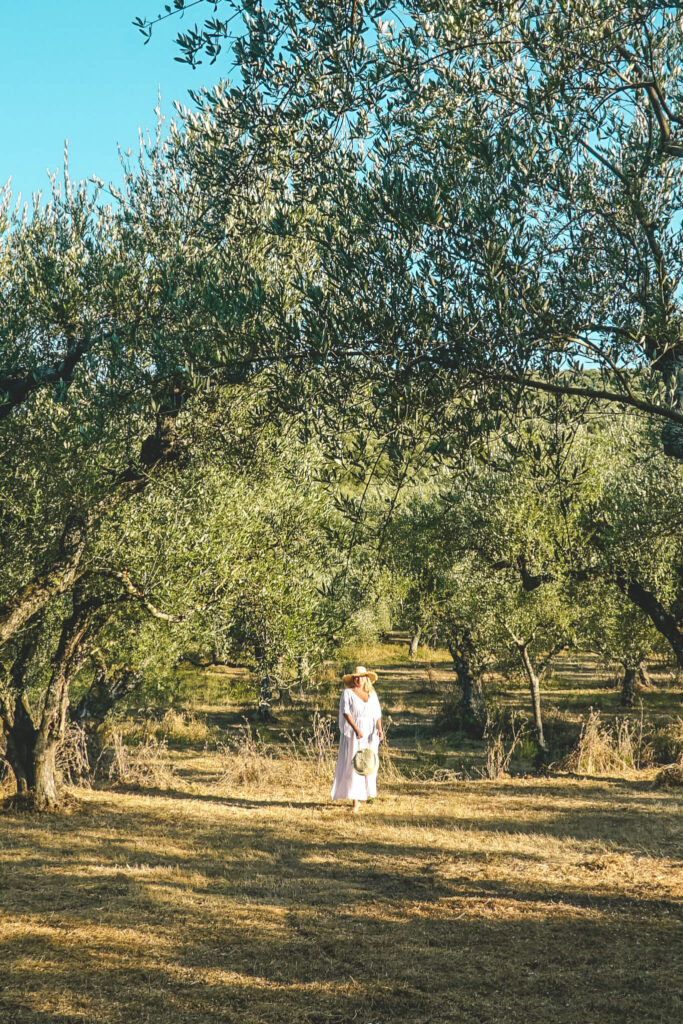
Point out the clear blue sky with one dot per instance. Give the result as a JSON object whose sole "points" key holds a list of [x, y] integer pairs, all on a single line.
{"points": [[78, 70]]}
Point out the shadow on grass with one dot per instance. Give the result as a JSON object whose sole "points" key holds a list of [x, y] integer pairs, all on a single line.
{"points": [[631, 813], [124, 914], [213, 798]]}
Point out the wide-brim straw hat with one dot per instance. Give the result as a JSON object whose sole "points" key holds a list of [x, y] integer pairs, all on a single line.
{"points": [[360, 670], [366, 761]]}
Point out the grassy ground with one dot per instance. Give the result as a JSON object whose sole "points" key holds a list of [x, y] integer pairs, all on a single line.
{"points": [[237, 892]]}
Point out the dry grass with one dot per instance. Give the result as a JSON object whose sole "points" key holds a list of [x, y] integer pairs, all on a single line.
{"points": [[501, 746], [671, 776], [146, 765], [482, 901], [603, 750], [624, 745], [229, 888]]}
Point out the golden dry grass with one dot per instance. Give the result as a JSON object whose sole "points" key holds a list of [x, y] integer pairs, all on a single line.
{"points": [[240, 893], [535, 900]]}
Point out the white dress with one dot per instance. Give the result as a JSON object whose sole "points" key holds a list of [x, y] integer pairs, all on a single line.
{"points": [[348, 784]]}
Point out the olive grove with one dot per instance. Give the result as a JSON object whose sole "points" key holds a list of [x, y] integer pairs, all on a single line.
{"points": [[387, 326]]}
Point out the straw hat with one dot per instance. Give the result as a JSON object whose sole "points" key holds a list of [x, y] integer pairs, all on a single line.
{"points": [[366, 761], [360, 670]]}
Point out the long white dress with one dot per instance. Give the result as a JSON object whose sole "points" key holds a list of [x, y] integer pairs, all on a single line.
{"points": [[348, 784]]}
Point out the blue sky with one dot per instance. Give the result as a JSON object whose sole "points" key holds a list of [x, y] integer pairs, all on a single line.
{"points": [[78, 70]]}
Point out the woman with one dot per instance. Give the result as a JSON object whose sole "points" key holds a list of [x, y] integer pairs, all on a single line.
{"points": [[360, 725]]}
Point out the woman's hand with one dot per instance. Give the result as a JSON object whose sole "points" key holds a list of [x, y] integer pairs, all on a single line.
{"points": [[353, 725]]}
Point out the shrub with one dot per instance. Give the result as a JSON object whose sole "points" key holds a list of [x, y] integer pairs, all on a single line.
{"points": [[561, 731], [452, 716], [601, 750]]}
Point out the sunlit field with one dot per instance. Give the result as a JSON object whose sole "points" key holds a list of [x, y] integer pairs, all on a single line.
{"points": [[228, 887]]}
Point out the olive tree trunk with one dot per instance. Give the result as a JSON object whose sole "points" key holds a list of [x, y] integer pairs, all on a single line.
{"points": [[535, 690], [105, 691], [18, 736], [264, 711], [628, 685], [68, 659], [665, 621], [31, 750], [461, 650], [20, 742]]}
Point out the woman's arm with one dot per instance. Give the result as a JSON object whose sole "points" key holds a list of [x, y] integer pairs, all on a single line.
{"points": [[380, 730], [353, 725]]}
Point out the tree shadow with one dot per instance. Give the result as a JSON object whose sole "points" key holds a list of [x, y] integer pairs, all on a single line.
{"points": [[197, 949], [169, 793], [186, 907]]}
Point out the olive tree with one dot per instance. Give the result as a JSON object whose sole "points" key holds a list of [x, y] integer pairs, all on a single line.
{"points": [[117, 324], [497, 187], [620, 632]]}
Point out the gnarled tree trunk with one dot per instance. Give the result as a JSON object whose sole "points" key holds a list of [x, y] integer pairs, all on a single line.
{"points": [[414, 643], [666, 622], [264, 711], [105, 691], [628, 685], [67, 660], [32, 750], [20, 742], [461, 650], [18, 731], [266, 681], [158, 449]]}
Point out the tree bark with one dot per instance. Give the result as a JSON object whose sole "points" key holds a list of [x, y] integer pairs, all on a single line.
{"points": [[105, 691], [20, 747], [158, 449], [535, 690], [67, 660], [415, 643], [18, 730], [18, 386], [33, 597], [38, 786], [628, 686], [666, 623], [264, 711], [303, 673], [471, 701]]}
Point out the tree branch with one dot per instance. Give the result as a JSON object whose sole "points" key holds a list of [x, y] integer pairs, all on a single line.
{"points": [[18, 388], [584, 392]]}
